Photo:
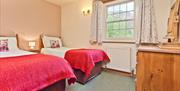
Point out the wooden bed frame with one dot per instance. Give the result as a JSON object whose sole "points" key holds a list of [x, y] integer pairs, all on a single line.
{"points": [[82, 79], [58, 86]]}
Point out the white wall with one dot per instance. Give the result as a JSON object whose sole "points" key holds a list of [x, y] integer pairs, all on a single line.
{"points": [[76, 27], [162, 10]]}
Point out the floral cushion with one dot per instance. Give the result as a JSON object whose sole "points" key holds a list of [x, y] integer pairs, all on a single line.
{"points": [[4, 45], [54, 44]]}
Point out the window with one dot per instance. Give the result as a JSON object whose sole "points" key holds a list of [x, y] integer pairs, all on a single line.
{"points": [[120, 21]]}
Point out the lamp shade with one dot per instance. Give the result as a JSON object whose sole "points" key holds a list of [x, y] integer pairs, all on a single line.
{"points": [[32, 44]]}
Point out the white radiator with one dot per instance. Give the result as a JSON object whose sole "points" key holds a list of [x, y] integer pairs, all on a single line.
{"points": [[122, 57]]}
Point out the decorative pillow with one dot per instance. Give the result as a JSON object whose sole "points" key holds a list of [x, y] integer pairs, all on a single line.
{"points": [[54, 44], [12, 42], [4, 45], [47, 41]]}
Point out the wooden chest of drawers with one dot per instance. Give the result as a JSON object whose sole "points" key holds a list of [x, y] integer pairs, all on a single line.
{"points": [[158, 70]]}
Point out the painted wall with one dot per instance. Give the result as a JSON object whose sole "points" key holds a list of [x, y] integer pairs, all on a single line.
{"points": [[76, 27], [29, 18], [162, 11]]}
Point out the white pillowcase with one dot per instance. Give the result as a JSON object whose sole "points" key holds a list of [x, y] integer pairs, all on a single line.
{"points": [[46, 41], [12, 42]]}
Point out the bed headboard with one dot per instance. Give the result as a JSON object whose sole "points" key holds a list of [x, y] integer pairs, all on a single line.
{"points": [[49, 35], [23, 43]]}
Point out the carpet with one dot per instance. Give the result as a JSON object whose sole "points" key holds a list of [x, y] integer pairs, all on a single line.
{"points": [[106, 81]]}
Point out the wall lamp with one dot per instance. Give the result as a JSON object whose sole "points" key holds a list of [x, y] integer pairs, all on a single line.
{"points": [[86, 12]]}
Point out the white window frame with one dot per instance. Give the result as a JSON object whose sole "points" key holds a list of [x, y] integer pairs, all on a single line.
{"points": [[124, 40]]}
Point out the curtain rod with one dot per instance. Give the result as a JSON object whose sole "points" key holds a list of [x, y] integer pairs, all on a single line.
{"points": [[105, 1]]}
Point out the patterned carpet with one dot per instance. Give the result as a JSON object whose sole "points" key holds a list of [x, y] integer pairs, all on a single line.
{"points": [[107, 81]]}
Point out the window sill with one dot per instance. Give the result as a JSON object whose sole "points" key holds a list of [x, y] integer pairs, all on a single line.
{"points": [[120, 41]]}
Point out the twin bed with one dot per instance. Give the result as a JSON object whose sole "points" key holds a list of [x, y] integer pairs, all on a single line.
{"points": [[27, 71], [86, 63]]}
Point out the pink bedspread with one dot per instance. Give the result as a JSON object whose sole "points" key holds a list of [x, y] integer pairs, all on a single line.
{"points": [[33, 72], [85, 59]]}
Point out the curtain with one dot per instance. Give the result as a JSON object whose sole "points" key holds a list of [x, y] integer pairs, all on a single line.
{"points": [[148, 28], [97, 22]]}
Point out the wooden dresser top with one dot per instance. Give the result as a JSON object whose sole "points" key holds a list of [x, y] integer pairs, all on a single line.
{"points": [[157, 49]]}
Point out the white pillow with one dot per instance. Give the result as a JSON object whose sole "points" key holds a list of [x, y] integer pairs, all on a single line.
{"points": [[12, 42], [46, 41]]}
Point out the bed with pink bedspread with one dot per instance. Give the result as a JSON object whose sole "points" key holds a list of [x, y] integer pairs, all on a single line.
{"points": [[87, 63], [33, 72]]}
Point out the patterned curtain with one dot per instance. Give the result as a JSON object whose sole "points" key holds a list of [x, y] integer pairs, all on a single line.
{"points": [[97, 22], [148, 29]]}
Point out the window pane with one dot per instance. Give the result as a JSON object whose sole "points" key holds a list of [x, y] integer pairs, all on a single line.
{"points": [[110, 18], [111, 33], [116, 8], [130, 15], [116, 17], [120, 21], [122, 25], [122, 16], [114, 33], [124, 33], [116, 25], [110, 26], [129, 33], [123, 8], [130, 6], [110, 10], [130, 24], [120, 34]]}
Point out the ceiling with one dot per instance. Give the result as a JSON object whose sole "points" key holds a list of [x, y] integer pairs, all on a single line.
{"points": [[60, 2]]}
